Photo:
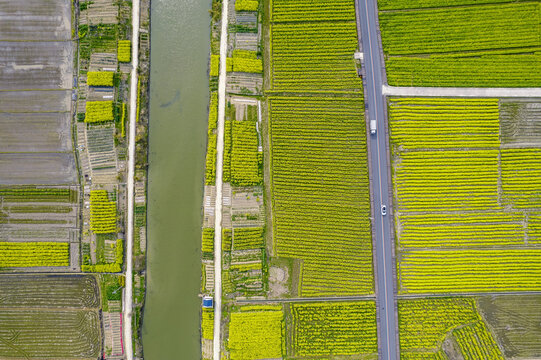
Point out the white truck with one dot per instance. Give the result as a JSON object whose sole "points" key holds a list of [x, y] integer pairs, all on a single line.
{"points": [[373, 126]]}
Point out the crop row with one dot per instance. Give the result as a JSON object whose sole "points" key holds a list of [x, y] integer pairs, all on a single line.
{"points": [[476, 342], [447, 271], [49, 291], [312, 10], [418, 4], [102, 213], [124, 50], [484, 71], [424, 323], [29, 194], [242, 161], [521, 177], [29, 254], [210, 167], [100, 78], [337, 328], [447, 180], [207, 324], [45, 334], [207, 241], [256, 334], [461, 29], [460, 124], [320, 192], [248, 238], [470, 229], [99, 111], [312, 57]]}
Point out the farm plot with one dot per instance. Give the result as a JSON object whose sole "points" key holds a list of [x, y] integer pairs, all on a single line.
{"points": [[310, 10], [521, 177], [48, 291], [39, 333], [101, 153], [424, 325], [36, 54], [35, 132], [320, 192], [102, 213], [516, 323], [419, 4], [243, 162], [37, 168], [54, 20], [462, 201], [255, 332], [29, 254], [314, 57], [325, 329], [35, 65], [38, 214], [483, 45], [520, 122]]}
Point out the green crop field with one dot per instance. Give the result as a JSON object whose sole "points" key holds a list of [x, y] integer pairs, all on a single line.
{"points": [[425, 323], [37, 194], [447, 45], [242, 159], [210, 167], [337, 329], [248, 238], [312, 10], [320, 192], [49, 317], [314, 57], [419, 4], [462, 200], [102, 213], [29, 254], [256, 332]]}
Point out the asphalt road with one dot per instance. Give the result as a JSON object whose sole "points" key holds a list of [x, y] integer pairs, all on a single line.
{"points": [[372, 64]]}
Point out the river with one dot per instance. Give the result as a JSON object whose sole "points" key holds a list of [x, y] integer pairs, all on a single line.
{"points": [[180, 40]]}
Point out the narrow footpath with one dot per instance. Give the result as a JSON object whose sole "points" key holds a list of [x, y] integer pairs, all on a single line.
{"points": [[461, 92], [219, 176], [128, 291]]}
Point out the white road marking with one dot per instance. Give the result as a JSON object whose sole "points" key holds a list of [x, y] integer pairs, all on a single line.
{"points": [[380, 189]]}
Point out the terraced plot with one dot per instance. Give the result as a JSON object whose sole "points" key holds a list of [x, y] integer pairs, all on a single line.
{"points": [[320, 192], [490, 45], [464, 204]]}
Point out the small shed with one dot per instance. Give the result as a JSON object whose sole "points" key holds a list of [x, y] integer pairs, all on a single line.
{"points": [[208, 302]]}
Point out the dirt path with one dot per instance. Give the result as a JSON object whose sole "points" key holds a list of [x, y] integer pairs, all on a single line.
{"points": [[462, 92], [128, 291], [219, 172]]}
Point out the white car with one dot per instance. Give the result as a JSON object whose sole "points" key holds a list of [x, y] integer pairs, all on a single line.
{"points": [[383, 210]]}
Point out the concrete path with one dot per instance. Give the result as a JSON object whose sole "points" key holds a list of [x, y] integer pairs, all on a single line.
{"points": [[127, 305], [219, 173], [379, 182], [461, 92]]}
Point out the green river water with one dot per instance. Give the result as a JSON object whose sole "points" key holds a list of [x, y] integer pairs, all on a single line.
{"points": [[180, 40]]}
